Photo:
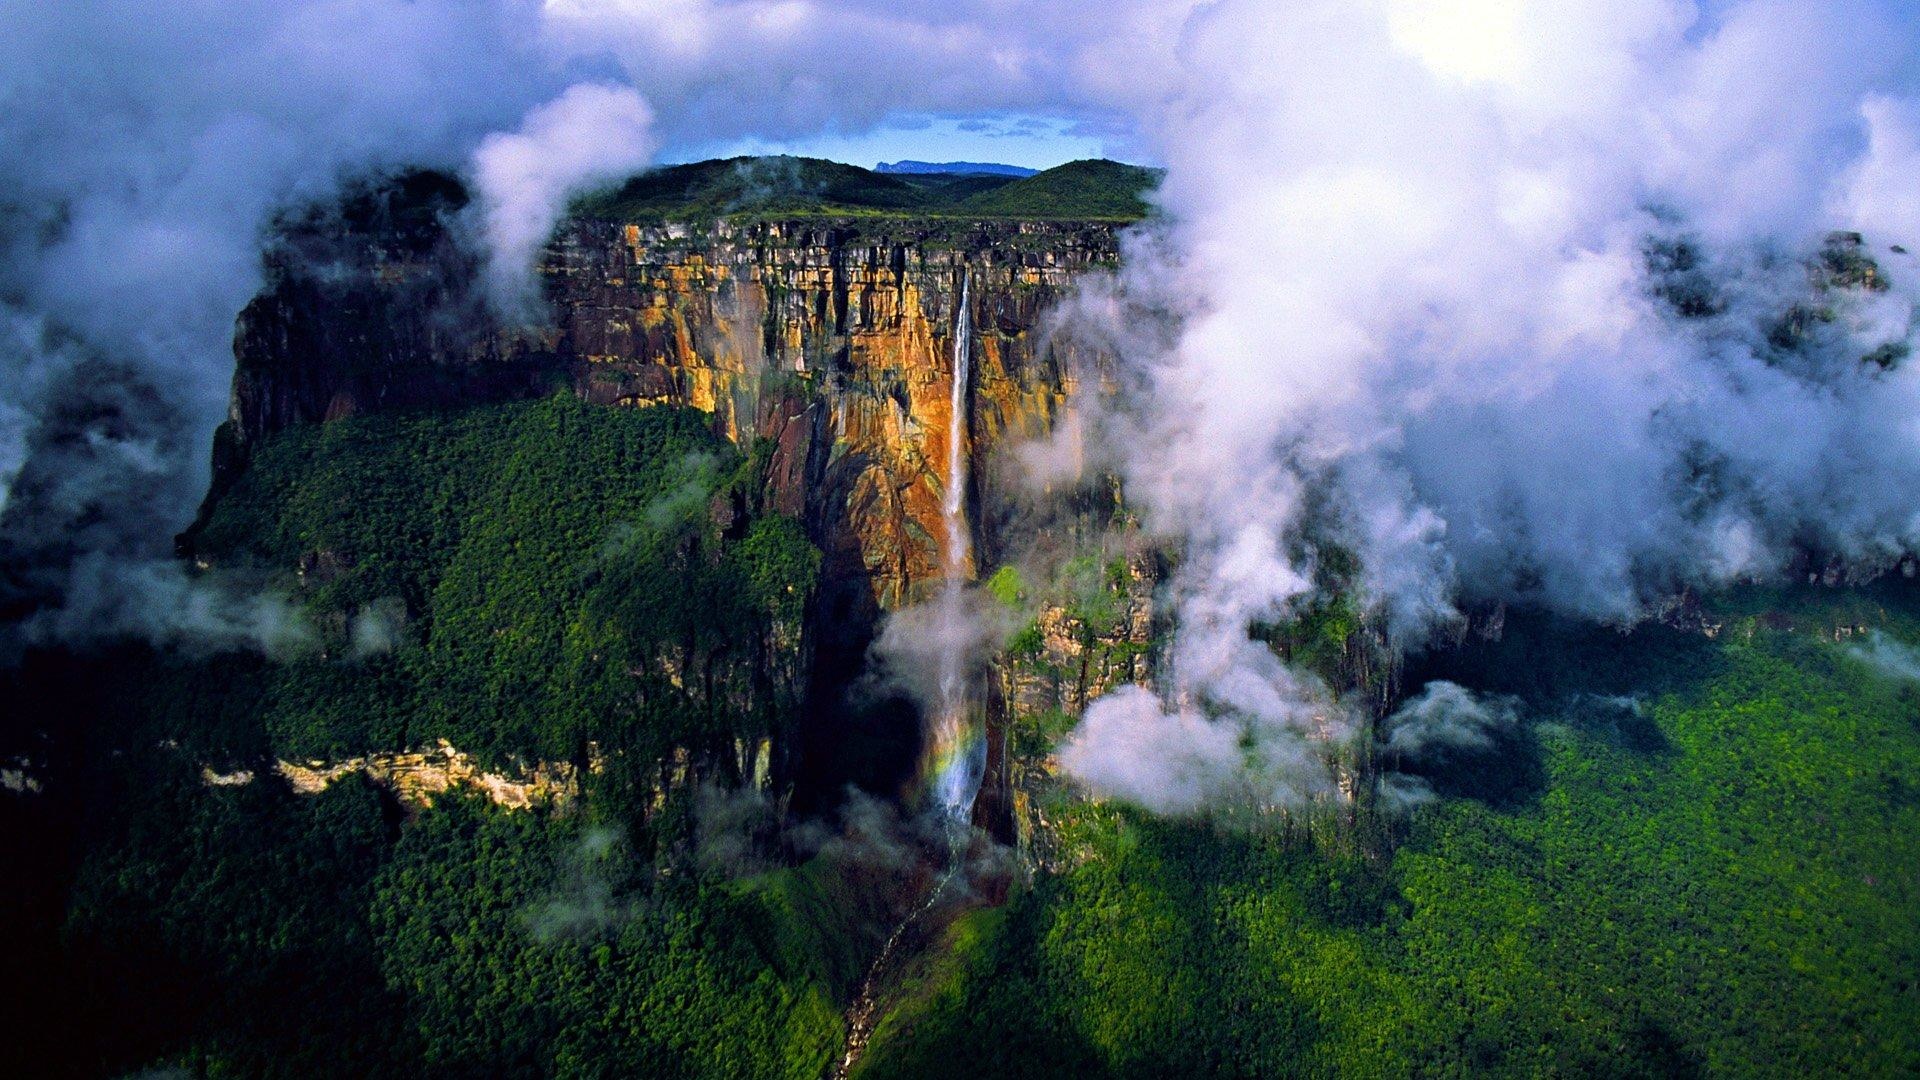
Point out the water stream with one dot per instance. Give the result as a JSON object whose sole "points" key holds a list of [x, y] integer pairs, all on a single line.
{"points": [[959, 750]]}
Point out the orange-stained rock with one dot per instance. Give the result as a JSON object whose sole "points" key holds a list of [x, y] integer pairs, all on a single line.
{"points": [[829, 339], [833, 341]]}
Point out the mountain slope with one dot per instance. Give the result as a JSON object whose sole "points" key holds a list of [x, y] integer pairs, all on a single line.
{"points": [[753, 185]]}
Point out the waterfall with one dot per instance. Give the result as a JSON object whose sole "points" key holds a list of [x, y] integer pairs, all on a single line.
{"points": [[956, 746], [959, 749], [953, 511]]}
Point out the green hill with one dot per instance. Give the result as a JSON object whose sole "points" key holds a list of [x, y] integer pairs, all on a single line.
{"points": [[945, 188], [753, 185], [799, 186], [1091, 189]]}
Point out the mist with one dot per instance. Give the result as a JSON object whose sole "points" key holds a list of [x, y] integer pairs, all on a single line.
{"points": [[589, 135], [1888, 657], [1533, 303], [1446, 718]]}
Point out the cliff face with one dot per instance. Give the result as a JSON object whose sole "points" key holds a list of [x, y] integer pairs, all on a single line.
{"points": [[1093, 628], [827, 343], [824, 347], [831, 344]]}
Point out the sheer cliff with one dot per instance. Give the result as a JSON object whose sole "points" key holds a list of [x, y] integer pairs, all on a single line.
{"points": [[828, 342], [821, 347]]}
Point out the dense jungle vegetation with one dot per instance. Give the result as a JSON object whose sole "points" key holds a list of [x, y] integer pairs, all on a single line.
{"points": [[250, 931], [526, 581], [519, 579]]}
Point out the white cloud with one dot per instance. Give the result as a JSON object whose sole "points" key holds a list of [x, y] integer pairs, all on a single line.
{"points": [[1407, 308], [590, 134]]}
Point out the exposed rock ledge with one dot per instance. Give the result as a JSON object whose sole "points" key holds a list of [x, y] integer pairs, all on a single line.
{"points": [[17, 776], [416, 777]]}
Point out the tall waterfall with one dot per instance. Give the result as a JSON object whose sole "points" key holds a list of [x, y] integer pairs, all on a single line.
{"points": [[956, 746], [959, 748], [953, 511]]}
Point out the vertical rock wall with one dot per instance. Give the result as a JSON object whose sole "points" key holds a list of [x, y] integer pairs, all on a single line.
{"points": [[823, 346]]}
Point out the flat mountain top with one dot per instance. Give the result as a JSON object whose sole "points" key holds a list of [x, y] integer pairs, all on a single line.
{"points": [[800, 187], [923, 167]]}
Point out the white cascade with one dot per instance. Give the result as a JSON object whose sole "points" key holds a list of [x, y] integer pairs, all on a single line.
{"points": [[959, 748]]}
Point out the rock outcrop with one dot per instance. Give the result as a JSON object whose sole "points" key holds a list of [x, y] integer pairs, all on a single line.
{"points": [[1091, 631], [415, 778], [831, 344]]}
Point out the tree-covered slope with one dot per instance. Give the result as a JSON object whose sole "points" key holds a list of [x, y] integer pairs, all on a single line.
{"points": [[249, 931], [752, 185], [512, 578], [1091, 190]]}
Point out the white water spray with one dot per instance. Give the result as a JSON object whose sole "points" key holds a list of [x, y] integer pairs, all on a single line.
{"points": [[959, 752]]}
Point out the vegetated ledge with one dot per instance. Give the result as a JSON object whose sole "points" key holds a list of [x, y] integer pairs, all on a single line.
{"points": [[415, 777]]}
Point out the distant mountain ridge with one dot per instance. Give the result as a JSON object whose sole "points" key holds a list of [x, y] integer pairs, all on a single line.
{"points": [[922, 168]]}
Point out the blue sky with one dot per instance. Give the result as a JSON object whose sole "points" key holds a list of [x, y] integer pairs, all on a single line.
{"points": [[1034, 141]]}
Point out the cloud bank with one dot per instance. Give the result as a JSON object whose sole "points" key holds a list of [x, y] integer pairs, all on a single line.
{"points": [[1528, 301], [1509, 300]]}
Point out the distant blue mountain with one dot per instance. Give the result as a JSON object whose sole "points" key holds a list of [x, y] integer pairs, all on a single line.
{"points": [[924, 167]]}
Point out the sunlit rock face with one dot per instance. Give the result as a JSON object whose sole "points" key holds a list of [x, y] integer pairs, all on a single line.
{"points": [[828, 343], [416, 778], [832, 343]]}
